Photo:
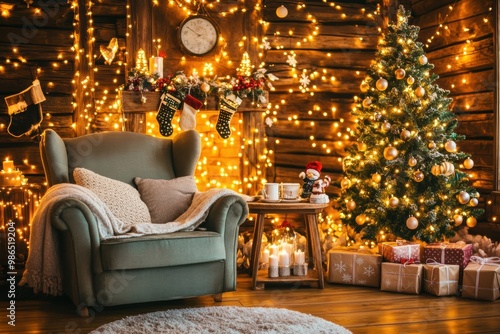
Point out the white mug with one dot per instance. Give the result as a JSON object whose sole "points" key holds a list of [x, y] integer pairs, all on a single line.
{"points": [[271, 191], [290, 190]]}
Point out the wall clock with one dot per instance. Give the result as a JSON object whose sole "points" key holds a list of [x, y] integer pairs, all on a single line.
{"points": [[198, 35]]}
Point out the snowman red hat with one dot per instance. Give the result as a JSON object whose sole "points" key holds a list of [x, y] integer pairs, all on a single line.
{"points": [[313, 170]]}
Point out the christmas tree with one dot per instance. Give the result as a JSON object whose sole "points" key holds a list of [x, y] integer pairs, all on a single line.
{"points": [[403, 176]]}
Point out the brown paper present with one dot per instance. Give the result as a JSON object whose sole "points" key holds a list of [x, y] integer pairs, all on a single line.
{"points": [[400, 251], [482, 278], [448, 253], [441, 279], [404, 278], [354, 267]]}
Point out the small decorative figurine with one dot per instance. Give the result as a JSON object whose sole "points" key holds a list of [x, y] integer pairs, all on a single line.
{"points": [[312, 173], [318, 191]]}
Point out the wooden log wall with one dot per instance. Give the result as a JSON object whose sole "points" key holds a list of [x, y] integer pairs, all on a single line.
{"points": [[460, 42], [314, 124], [35, 42]]}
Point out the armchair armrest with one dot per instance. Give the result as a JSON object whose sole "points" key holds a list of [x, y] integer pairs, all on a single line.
{"points": [[79, 237], [225, 217]]}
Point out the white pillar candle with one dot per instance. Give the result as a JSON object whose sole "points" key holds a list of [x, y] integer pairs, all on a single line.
{"points": [[156, 66], [265, 256], [273, 260], [299, 257], [275, 250], [287, 248], [284, 259], [8, 165]]}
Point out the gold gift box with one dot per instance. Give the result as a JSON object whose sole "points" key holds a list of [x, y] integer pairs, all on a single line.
{"points": [[441, 279], [482, 279], [403, 278], [354, 267]]}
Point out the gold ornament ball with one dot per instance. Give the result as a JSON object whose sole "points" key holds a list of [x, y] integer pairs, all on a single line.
{"points": [[459, 219], [390, 153], [471, 221], [422, 60], [450, 146], [362, 147], [412, 162], [361, 219], [393, 202], [468, 163], [364, 86], [386, 126], [419, 91], [345, 183], [474, 201], [436, 170], [405, 134], [351, 205], [447, 168], [432, 145], [400, 73], [410, 80], [463, 197], [367, 102], [376, 177], [412, 223], [281, 11], [205, 87], [418, 176], [381, 84]]}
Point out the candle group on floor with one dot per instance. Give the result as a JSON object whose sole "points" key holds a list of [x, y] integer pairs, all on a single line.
{"points": [[281, 259]]}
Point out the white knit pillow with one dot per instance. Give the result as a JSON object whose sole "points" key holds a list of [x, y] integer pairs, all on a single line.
{"points": [[122, 199]]}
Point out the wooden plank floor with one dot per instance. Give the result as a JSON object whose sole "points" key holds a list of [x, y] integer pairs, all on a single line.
{"points": [[361, 310]]}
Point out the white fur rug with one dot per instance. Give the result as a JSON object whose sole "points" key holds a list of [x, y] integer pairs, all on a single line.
{"points": [[222, 319]]}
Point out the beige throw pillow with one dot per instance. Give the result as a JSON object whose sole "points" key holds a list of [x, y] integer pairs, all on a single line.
{"points": [[122, 199], [166, 199]]}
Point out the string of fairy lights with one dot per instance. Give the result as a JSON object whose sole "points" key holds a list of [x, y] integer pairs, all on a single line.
{"points": [[307, 80]]}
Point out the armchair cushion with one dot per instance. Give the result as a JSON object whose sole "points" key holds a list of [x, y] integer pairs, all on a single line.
{"points": [[166, 199], [123, 200], [162, 250]]}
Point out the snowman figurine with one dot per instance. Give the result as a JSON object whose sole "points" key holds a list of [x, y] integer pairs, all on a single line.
{"points": [[318, 195], [311, 175]]}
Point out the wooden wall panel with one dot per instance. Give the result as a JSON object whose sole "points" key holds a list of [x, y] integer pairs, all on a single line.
{"points": [[341, 52]]}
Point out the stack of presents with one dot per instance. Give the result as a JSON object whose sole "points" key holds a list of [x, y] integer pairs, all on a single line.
{"points": [[441, 269]]}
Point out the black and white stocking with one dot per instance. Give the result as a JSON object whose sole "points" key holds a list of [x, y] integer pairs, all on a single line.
{"points": [[168, 106], [227, 108]]}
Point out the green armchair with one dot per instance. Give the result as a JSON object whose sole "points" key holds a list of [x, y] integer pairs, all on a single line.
{"points": [[108, 272]]}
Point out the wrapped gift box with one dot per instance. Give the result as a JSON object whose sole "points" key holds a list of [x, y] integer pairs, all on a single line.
{"points": [[404, 278], [354, 267], [448, 253], [441, 279], [400, 251], [482, 279]]}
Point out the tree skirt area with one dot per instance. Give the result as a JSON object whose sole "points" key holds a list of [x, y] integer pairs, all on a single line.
{"points": [[222, 319]]}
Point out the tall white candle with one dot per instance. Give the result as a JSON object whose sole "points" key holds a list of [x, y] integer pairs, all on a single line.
{"points": [[156, 66], [299, 257], [265, 256], [287, 248], [273, 260], [274, 250], [8, 165], [284, 258]]}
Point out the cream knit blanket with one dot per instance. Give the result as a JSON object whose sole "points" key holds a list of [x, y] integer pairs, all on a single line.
{"points": [[43, 269]]}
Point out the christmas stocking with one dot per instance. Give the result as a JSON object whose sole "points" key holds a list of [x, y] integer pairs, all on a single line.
{"points": [[168, 106], [25, 110], [189, 109], [227, 108]]}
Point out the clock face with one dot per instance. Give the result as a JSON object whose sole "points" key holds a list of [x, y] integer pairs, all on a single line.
{"points": [[198, 35]]}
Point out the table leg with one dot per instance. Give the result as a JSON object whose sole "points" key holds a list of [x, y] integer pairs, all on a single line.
{"points": [[256, 244], [312, 227]]}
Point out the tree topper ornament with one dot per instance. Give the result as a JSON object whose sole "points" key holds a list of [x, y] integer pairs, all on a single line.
{"points": [[312, 173]]}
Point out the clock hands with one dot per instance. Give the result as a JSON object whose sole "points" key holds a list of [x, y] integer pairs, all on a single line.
{"points": [[198, 34]]}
